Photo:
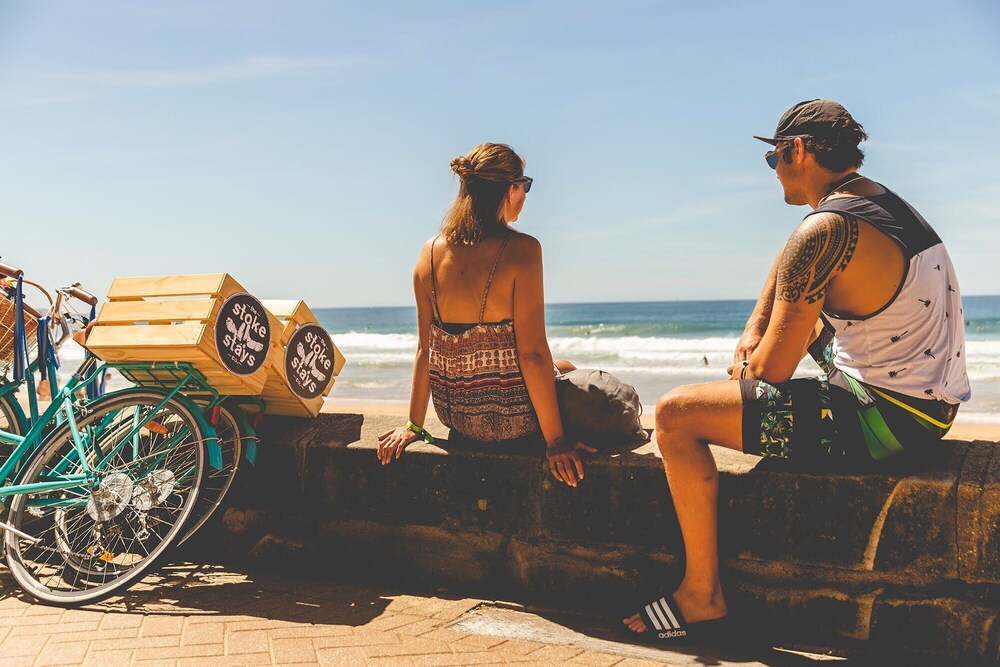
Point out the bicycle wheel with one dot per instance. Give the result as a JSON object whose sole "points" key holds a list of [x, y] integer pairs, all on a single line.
{"points": [[99, 538], [215, 483]]}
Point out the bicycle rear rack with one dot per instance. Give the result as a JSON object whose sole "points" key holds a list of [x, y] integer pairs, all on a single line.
{"points": [[167, 375]]}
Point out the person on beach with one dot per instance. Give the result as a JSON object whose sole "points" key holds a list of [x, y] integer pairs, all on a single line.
{"points": [[867, 288], [474, 283]]}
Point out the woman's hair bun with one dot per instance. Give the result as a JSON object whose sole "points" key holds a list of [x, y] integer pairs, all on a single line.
{"points": [[462, 166]]}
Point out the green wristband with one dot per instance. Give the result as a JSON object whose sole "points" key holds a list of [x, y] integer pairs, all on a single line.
{"points": [[421, 431]]}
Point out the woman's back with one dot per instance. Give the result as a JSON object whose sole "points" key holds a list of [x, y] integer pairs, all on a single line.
{"points": [[464, 277], [475, 375]]}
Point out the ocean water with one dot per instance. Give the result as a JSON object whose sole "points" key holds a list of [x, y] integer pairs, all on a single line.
{"points": [[654, 346]]}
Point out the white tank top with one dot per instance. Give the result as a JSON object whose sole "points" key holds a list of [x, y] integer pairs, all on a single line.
{"points": [[915, 344]]}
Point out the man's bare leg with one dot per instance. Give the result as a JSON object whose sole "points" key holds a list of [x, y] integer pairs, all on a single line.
{"points": [[687, 419]]}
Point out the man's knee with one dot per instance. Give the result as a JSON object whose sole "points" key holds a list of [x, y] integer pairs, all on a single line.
{"points": [[676, 410]]}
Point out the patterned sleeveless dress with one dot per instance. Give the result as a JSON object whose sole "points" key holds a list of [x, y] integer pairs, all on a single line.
{"points": [[476, 382]]}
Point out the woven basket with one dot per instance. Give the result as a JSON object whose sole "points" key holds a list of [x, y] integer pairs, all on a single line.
{"points": [[7, 319]]}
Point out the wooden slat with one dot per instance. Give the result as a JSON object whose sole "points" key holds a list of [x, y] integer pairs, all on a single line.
{"points": [[157, 312], [289, 309], [290, 313], [209, 284], [168, 336]]}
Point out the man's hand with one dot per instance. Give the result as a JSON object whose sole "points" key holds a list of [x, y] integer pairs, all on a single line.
{"points": [[392, 443], [747, 343], [566, 466], [736, 370]]}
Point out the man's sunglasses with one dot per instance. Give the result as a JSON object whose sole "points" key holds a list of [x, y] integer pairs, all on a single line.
{"points": [[526, 181], [771, 157]]}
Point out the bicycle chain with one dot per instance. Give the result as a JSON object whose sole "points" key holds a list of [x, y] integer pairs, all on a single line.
{"points": [[63, 552]]}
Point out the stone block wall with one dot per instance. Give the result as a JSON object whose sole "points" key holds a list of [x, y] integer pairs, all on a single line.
{"points": [[906, 558]]}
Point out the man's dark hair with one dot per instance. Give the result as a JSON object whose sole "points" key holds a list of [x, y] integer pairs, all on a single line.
{"points": [[838, 153]]}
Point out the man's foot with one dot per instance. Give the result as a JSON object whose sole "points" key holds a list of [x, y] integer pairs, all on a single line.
{"points": [[692, 609]]}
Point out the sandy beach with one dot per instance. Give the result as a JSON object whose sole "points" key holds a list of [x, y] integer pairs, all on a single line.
{"points": [[960, 431]]}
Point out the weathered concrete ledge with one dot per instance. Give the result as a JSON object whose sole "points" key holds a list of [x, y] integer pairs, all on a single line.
{"points": [[904, 559]]}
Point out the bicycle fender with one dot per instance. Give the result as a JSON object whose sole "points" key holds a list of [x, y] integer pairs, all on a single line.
{"points": [[8, 393], [213, 448], [250, 451], [247, 432]]}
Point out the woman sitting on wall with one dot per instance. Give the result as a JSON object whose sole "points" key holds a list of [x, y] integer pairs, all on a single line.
{"points": [[475, 284]]}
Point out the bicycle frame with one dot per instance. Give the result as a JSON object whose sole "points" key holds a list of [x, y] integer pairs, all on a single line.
{"points": [[62, 408]]}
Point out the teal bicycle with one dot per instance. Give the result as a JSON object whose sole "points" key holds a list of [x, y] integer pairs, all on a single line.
{"points": [[236, 436], [97, 490]]}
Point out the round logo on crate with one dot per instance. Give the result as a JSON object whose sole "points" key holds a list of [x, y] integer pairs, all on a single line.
{"points": [[309, 361], [242, 334]]}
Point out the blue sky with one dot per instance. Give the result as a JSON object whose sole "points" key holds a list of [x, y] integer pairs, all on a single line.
{"points": [[304, 146]]}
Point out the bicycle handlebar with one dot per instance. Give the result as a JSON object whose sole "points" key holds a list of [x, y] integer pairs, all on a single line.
{"points": [[77, 292], [8, 271]]}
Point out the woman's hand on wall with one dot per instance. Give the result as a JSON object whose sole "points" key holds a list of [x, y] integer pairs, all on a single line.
{"points": [[564, 462], [392, 443]]}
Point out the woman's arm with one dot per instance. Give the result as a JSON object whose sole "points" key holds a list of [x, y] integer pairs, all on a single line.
{"points": [[420, 393], [536, 361], [392, 443]]}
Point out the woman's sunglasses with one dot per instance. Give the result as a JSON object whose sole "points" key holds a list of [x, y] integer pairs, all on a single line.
{"points": [[526, 182]]}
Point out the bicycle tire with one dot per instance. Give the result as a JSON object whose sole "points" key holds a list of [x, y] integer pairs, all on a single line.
{"points": [[215, 483], [74, 565]]}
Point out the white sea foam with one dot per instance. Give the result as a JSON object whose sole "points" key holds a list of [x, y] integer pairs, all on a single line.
{"points": [[379, 364], [373, 341], [973, 417]]}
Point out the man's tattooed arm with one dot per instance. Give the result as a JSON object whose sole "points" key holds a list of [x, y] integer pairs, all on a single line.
{"points": [[821, 246]]}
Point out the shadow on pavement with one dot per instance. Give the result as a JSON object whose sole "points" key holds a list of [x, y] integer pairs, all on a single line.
{"points": [[190, 589]]}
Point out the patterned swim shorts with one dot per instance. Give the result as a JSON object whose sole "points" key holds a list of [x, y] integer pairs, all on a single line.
{"points": [[795, 418], [812, 419]]}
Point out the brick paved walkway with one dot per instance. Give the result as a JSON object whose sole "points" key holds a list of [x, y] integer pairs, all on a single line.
{"points": [[209, 615]]}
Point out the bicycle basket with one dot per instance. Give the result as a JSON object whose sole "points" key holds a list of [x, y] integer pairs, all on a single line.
{"points": [[8, 313]]}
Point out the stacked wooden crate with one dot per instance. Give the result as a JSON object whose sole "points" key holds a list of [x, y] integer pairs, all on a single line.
{"points": [[207, 320], [303, 371]]}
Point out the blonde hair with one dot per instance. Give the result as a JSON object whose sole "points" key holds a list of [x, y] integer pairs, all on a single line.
{"points": [[485, 173]]}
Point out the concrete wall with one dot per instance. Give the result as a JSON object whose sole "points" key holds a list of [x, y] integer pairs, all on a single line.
{"points": [[908, 558]]}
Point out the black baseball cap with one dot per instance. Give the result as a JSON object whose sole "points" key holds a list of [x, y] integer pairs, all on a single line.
{"points": [[820, 119]]}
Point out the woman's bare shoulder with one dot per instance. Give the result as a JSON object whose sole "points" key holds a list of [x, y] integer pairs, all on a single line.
{"points": [[423, 260], [426, 248], [525, 248]]}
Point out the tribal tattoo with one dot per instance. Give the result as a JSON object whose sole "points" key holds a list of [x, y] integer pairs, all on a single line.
{"points": [[824, 244]]}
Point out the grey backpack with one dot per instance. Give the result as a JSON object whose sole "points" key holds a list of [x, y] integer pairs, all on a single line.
{"points": [[598, 409]]}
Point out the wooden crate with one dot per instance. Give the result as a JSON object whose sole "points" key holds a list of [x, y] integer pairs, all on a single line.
{"points": [[278, 395], [174, 318]]}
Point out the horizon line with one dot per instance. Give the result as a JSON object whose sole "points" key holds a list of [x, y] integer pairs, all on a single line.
{"points": [[602, 303]]}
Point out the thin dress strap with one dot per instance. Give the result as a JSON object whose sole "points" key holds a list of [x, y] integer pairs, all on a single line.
{"points": [[434, 295], [482, 309]]}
